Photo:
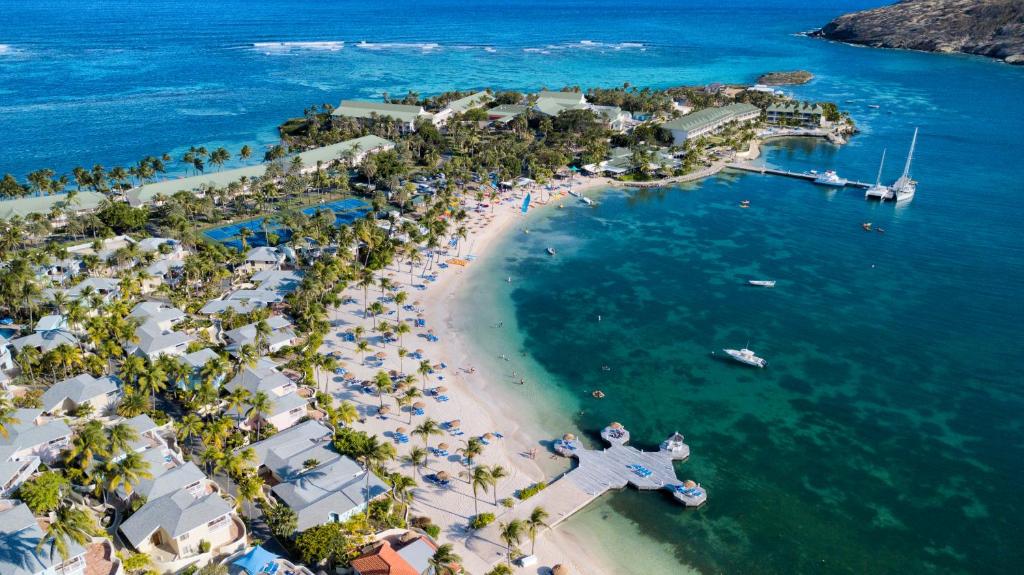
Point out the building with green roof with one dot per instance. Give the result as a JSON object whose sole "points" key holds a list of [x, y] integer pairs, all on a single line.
{"points": [[81, 202], [354, 150], [404, 115], [462, 105], [554, 103], [805, 114], [506, 113], [709, 121]]}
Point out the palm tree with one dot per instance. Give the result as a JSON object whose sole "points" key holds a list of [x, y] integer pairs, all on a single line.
{"points": [[382, 382], [479, 478], [471, 449], [69, 524], [362, 347], [152, 381], [250, 488], [445, 561], [236, 400], [127, 472], [6, 417], [416, 457], [424, 370], [90, 442], [536, 523], [497, 474], [500, 569], [346, 412], [401, 328], [400, 486], [424, 430], [120, 437], [132, 404], [372, 454], [511, 533], [190, 426], [259, 404]]}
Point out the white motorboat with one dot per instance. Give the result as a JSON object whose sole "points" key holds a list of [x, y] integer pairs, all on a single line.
{"points": [[586, 200], [762, 283], [746, 356], [551, 251], [830, 178]]}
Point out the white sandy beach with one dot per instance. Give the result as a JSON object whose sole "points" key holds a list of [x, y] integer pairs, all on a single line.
{"points": [[476, 400]]}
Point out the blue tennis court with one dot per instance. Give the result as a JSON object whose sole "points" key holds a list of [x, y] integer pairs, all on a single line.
{"points": [[345, 211]]}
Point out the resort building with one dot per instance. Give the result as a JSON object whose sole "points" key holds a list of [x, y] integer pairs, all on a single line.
{"points": [[153, 341], [554, 103], [331, 491], [149, 433], [170, 473], [161, 272], [50, 331], [53, 206], [477, 100], [709, 121], [287, 407], [408, 555], [31, 440], [242, 301], [281, 335], [263, 258], [107, 288], [352, 151], [616, 118], [175, 524], [23, 551], [282, 282], [404, 116], [621, 161], [157, 314], [68, 395], [805, 114], [502, 115]]}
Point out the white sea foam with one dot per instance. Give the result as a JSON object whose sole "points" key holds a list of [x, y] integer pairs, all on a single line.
{"points": [[285, 47], [490, 49], [590, 45], [380, 46]]}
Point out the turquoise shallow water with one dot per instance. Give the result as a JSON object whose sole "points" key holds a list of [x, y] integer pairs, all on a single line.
{"points": [[886, 434]]}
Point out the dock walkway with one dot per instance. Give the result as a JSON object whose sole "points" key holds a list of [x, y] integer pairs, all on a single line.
{"points": [[761, 169], [597, 471]]}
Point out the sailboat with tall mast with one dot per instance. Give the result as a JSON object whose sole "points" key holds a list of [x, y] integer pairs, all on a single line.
{"points": [[878, 191], [905, 187]]}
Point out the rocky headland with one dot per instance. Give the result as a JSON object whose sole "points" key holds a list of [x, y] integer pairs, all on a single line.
{"points": [[993, 28]]}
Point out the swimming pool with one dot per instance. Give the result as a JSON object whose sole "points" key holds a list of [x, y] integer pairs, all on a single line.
{"points": [[8, 333], [345, 211]]}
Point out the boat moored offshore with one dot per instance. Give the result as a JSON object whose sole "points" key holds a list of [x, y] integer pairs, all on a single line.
{"points": [[746, 356], [762, 283]]}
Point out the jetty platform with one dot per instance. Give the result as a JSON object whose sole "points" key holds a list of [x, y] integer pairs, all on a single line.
{"points": [[596, 472], [761, 169]]}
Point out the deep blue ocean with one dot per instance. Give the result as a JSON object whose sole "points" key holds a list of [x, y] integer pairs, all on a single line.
{"points": [[886, 434]]}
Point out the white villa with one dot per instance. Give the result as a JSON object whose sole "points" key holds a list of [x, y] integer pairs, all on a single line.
{"points": [[287, 406], [30, 441], [404, 116], [281, 335], [68, 395], [20, 535]]}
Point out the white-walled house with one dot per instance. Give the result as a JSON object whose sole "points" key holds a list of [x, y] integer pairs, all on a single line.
{"points": [[263, 258], [21, 534], [68, 395], [163, 315], [281, 335], [287, 406], [31, 440], [49, 332]]}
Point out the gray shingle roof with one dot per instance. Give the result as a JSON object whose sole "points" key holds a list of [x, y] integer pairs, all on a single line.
{"points": [[78, 389], [166, 479], [337, 487], [19, 535], [43, 204], [26, 433], [285, 444], [176, 513]]}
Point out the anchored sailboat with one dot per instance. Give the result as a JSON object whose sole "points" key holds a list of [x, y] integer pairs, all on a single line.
{"points": [[905, 187], [878, 191]]}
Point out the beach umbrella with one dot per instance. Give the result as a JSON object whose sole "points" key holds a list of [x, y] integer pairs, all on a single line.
{"points": [[417, 302], [443, 446], [419, 351], [488, 436], [441, 389], [393, 373], [401, 430], [442, 475], [419, 405], [349, 376], [384, 410], [615, 425], [437, 367], [689, 484], [380, 355], [568, 437], [559, 570], [454, 423]]}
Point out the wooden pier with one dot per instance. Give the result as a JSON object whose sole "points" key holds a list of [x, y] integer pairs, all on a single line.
{"points": [[761, 169], [597, 471]]}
